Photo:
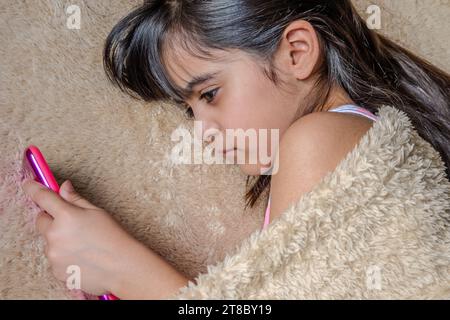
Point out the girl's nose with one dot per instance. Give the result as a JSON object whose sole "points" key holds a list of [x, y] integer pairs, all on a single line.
{"points": [[207, 131]]}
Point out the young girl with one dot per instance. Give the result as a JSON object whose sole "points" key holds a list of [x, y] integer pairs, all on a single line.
{"points": [[311, 69]]}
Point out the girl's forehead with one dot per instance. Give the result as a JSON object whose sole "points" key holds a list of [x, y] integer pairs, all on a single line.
{"points": [[184, 67]]}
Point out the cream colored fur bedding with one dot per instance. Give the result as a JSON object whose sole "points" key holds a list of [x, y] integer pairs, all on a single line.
{"points": [[53, 93], [378, 226]]}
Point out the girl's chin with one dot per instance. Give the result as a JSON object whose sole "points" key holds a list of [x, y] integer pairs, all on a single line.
{"points": [[253, 169]]}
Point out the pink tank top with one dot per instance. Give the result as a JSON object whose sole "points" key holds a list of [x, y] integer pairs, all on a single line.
{"points": [[346, 109]]}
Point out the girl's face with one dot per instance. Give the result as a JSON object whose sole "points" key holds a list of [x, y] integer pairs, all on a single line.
{"points": [[236, 96]]}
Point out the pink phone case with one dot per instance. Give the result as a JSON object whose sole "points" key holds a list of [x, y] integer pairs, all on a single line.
{"points": [[34, 162]]}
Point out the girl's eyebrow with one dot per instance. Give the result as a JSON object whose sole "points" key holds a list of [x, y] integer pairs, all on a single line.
{"points": [[189, 89]]}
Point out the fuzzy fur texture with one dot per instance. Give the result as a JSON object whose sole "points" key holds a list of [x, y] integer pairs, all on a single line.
{"points": [[115, 150], [377, 227]]}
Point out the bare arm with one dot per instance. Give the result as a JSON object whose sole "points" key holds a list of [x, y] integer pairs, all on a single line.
{"points": [[310, 148], [143, 274]]}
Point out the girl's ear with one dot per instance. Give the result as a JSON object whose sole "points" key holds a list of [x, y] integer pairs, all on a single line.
{"points": [[300, 49]]}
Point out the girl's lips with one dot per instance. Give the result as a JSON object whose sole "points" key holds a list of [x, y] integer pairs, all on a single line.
{"points": [[226, 151]]}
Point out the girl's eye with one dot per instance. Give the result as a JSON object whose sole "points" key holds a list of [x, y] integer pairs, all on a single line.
{"points": [[189, 113], [210, 95]]}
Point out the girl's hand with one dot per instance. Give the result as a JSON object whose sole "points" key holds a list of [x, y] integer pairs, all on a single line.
{"points": [[81, 234]]}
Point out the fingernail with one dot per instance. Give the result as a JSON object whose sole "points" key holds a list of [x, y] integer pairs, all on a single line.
{"points": [[69, 186]]}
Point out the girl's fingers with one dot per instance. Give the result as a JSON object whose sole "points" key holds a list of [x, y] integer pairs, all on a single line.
{"points": [[43, 222], [46, 199], [68, 193]]}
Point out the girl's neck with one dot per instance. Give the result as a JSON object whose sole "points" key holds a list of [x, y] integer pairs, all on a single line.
{"points": [[337, 97]]}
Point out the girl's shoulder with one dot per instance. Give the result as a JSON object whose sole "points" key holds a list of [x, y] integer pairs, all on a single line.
{"points": [[310, 148], [322, 136]]}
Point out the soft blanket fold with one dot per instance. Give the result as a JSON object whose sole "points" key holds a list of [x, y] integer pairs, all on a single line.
{"points": [[378, 226]]}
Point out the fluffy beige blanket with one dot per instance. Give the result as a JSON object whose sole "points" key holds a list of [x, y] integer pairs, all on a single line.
{"points": [[378, 226]]}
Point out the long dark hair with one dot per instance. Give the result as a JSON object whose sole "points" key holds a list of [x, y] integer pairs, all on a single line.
{"points": [[372, 69]]}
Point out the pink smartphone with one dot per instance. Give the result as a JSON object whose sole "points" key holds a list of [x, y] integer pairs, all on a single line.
{"points": [[34, 162]]}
